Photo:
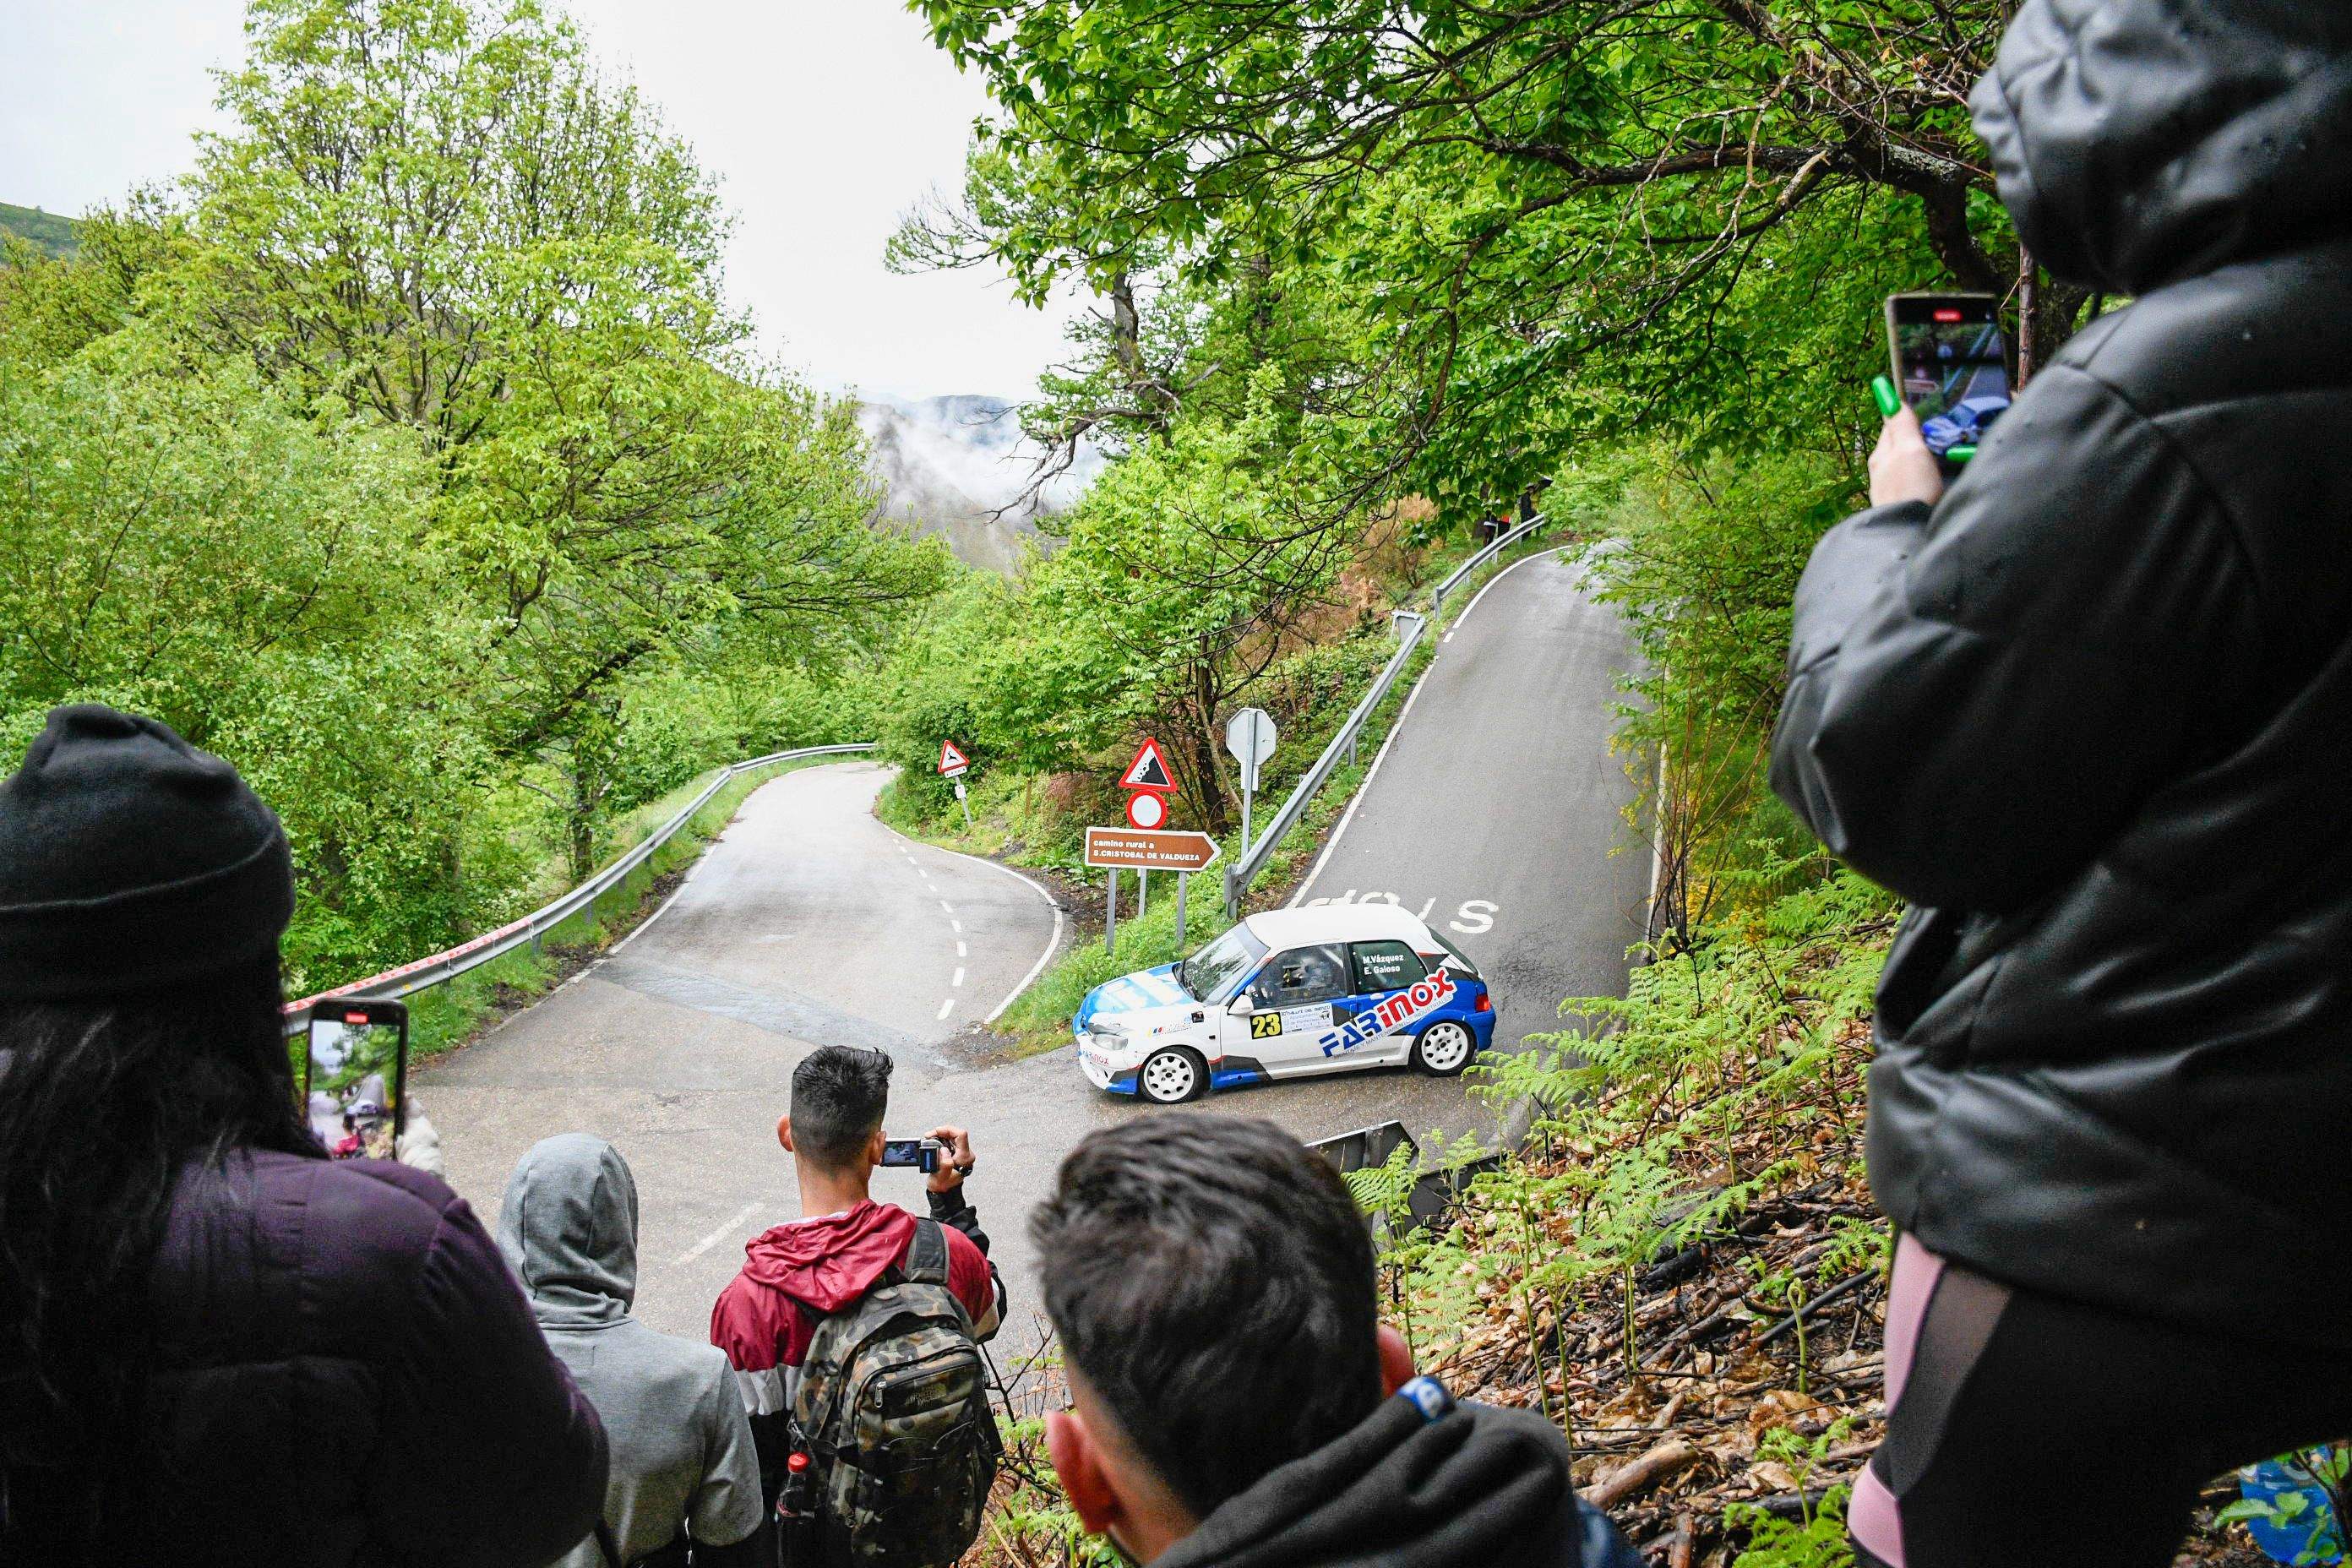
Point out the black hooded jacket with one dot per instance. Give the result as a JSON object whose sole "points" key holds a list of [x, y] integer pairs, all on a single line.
{"points": [[2092, 711], [1473, 1486]]}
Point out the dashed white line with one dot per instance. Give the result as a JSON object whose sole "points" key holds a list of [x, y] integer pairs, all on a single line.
{"points": [[947, 1007], [962, 951], [948, 909], [956, 925], [716, 1236], [958, 981]]}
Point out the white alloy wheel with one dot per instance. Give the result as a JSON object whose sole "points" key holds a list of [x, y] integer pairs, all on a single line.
{"points": [[1173, 1076], [1443, 1048]]}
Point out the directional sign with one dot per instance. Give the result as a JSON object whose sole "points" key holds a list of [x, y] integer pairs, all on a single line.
{"points": [[1149, 771], [1250, 736], [1147, 809], [1130, 850], [953, 761]]}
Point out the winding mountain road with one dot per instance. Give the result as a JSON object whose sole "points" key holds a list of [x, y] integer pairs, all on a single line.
{"points": [[1494, 805]]}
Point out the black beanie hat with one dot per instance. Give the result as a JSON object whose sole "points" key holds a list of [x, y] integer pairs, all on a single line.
{"points": [[129, 861]]}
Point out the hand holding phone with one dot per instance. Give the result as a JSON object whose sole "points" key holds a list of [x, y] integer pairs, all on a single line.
{"points": [[1950, 367]]}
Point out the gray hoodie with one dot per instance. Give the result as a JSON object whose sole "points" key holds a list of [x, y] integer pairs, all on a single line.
{"points": [[682, 1456]]}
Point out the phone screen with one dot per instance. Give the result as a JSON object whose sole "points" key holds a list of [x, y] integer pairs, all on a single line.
{"points": [[1952, 366], [353, 1080]]}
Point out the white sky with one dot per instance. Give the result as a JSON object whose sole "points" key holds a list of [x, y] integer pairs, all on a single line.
{"points": [[824, 120]]}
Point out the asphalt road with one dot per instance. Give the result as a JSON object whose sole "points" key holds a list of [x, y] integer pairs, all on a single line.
{"points": [[1494, 805]]}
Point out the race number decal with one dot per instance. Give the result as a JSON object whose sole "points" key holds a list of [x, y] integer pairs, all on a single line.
{"points": [[1393, 1011], [1265, 1025]]}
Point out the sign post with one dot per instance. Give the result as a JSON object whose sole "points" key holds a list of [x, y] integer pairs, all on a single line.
{"points": [[1180, 912], [1149, 784], [1110, 915], [1250, 737], [953, 764]]}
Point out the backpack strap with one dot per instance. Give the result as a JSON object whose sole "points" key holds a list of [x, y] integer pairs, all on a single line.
{"points": [[927, 1255]]}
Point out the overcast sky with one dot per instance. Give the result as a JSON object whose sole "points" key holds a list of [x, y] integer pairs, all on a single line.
{"points": [[824, 120]]}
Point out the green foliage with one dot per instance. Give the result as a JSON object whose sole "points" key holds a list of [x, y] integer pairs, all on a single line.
{"points": [[2329, 1468], [415, 464], [46, 233]]}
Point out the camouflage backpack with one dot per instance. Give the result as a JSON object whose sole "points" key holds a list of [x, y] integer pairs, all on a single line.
{"points": [[893, 1404]]}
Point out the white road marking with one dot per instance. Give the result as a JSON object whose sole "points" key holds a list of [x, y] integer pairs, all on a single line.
{"points": [[649, 919], [1053, 943], [962, 951], [716, 1236], [947, 1007], [958, 981], [1397, 729], [949, 908]]}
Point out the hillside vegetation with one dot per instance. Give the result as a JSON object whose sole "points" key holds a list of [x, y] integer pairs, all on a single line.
{"points": [[46, 233]]}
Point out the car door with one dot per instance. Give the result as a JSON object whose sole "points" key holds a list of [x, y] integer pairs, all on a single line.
{"points": [[1379, 971], [1293, 997]]}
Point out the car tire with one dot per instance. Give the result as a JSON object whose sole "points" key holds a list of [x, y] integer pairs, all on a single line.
{"points": [[1444, 1049], [1172, 1075]]}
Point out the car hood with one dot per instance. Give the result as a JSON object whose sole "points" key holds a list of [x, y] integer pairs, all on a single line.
{"points": [[1130, 995]]}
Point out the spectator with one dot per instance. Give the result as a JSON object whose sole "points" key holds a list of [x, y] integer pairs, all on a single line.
{"points": [[2091, 710], [1213, 1285], [683, 1466], [219, 1346], [844, 1241]]}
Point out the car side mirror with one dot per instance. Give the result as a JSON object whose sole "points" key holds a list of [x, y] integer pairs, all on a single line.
{"points": [[1241, 1006]]}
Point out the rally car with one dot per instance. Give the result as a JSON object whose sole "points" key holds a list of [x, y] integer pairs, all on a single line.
{"points": [[1285, 995]]}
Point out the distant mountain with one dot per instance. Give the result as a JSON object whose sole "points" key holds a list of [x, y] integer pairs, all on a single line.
{"points": [[49, 232], [951, 463]]}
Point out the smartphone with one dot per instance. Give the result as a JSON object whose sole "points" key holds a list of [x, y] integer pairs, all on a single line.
{"points": [[1951, 365], [355, 1076], [917, 1153]]}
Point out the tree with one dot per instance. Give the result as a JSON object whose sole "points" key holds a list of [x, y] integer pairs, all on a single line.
{"points": [[1533, 216], [438, 214]]}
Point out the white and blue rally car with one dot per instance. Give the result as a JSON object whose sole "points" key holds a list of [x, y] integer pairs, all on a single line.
{"points": [[1287, 993]]}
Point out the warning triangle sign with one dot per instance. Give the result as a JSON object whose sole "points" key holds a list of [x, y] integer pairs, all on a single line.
{"points": [[951, 761], [1149, 771]]}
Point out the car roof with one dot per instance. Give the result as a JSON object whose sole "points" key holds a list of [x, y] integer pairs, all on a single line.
{"points": [[1279, 928]]}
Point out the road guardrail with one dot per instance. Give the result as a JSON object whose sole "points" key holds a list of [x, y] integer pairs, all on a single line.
{"points": [[1244, 869], [440, 967]]}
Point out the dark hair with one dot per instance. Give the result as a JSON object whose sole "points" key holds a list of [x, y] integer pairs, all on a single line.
{"points": [[102, 1102], [1212, 1280], [839, 1094]]}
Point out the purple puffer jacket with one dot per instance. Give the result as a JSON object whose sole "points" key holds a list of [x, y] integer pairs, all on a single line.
{"points": [[344, 1372]]}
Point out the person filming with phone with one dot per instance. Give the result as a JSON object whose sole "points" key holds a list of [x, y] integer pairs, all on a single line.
{"points": [[859, 1316], [2088, 705], [216, 1344]]}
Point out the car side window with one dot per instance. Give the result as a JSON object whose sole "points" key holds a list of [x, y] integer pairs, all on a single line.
{"points": [[1301, 976], [1386, 966]]}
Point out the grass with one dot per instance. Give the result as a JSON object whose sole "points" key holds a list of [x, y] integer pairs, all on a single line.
{"points": [[1039, 1019], [447, 1015]]}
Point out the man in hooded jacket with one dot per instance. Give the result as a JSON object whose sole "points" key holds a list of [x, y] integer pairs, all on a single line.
{"points": [[794, 1274], [1235, 1401], [682, 1463], [2091, 709]]}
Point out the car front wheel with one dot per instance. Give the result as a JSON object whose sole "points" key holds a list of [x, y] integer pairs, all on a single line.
{"points": [[1443, 1048], [1173, 1076]]}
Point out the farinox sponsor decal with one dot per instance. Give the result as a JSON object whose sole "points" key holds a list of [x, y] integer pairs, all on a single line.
{"points": [[1392, 1011]]}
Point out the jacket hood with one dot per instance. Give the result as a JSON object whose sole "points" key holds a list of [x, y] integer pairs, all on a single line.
{"points": [[567, 1229], [1479, 1487], [2138, 142], [829, 1261]]}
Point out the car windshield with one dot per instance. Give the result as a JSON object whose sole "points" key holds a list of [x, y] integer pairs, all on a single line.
{"points": [[1217, 966]]}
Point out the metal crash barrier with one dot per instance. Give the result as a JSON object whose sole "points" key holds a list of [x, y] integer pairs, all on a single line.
{"points": [[1433, 1192]]}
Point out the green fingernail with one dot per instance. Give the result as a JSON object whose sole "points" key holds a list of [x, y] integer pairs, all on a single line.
{"points": [[1960, 454], [1889, 401]]}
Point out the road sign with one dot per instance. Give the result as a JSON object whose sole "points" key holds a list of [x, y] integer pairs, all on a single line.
{"points": [[1250, 737], [1147, 809], [959, 789], [953, 761], [1129, 849], [1149, 771]]}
